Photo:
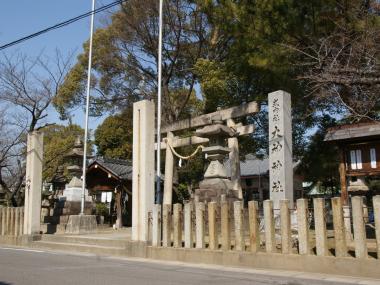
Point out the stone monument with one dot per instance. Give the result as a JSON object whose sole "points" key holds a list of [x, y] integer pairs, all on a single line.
{"points": [[280, 148]]}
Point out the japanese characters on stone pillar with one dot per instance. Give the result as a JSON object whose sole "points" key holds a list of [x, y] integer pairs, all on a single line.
{"points": [[143, 168], [33, 179], [280, 148]]}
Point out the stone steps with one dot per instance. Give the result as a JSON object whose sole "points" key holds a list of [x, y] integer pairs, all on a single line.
{"points": [[75, 247]]}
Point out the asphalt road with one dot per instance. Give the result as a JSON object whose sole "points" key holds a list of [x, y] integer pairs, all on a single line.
{"points": [[28, 267]]}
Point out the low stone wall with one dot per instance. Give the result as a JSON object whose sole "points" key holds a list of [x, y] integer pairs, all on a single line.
{"points": [[11, 221]]}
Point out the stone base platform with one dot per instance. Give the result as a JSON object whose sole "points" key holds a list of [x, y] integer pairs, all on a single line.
{"points": [[81, 224]]}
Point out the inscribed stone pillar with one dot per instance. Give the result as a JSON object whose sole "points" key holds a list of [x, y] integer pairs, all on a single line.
{"points": [[360, 239], [280, 148], [169, 166], [32, 221], [143, 168]]}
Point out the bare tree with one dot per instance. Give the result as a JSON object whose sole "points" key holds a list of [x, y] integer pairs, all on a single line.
{"points": [[342, 69], [27, 88]]}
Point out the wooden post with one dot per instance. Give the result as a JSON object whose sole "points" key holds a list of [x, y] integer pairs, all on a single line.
{"points": [[166, 225], [200, 224], [339, 229], [156, 237], [320, 227], [225, 226], [254, 233], [177, 225], [270, 242], [360, 239], [343, 178], [286, 245], [303, 226], [239, 227]]}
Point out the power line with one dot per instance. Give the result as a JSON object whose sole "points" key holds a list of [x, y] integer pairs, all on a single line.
{"points": [[62, 24]]}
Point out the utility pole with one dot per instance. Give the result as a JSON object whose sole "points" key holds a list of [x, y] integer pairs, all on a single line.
{"points": [[87, 111], [158, 176]]}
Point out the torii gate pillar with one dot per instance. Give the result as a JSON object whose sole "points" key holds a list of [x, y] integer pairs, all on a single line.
{"points": [[33, 187], [143, 168]]}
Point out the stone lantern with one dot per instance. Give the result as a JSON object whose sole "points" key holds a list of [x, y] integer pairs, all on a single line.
{"points": [[75, 159], [216, 184]]}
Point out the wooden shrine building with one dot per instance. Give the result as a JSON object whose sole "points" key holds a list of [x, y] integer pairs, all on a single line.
{"points": [[359, 148], [109, 181]]}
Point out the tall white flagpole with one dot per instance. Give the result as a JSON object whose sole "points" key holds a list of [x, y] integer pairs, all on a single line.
{"points": [[158, 160], [87, 110]]}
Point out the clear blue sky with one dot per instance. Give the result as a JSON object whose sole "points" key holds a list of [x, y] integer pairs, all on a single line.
{"points": [[19, 18]]}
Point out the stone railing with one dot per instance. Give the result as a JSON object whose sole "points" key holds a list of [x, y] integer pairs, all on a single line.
{"points": [[304, 231], [11, 221]]}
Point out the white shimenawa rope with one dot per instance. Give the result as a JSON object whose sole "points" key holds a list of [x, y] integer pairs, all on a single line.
{"points": [[185, 157]]}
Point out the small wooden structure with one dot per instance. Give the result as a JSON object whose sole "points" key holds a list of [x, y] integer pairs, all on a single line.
{"points": [[112, 176], [359, 149]]}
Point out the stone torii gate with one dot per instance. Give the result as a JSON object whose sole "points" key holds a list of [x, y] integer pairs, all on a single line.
{"points": [[144, 147], [225, 116]]}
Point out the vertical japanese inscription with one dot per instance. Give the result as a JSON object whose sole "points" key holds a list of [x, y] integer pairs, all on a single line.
{"points": [[280, 147]]}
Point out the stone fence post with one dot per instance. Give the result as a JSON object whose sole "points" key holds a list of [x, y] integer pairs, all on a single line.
{"points": [[339, 229], [239, 226], [200, 224], [212, 228], [286, 244], [303, 226], [254, 233], [376, 210], [320, 227], [225, 225], [156, 228], [359, 227], [270, 242], [177, 225]]}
